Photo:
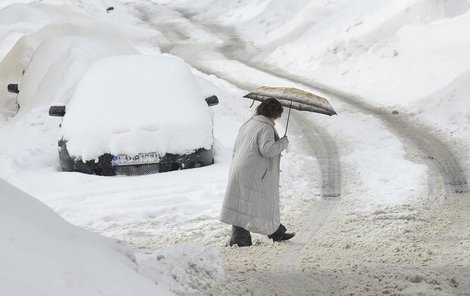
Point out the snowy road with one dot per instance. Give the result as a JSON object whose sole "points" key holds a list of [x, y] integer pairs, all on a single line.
{"points": [[378, 196], [334, 251]]}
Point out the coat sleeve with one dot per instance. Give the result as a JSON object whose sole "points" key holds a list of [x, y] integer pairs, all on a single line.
{"points": [[268, 146]]}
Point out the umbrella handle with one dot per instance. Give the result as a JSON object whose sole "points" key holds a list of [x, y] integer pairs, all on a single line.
{"points": [[288, 117]]}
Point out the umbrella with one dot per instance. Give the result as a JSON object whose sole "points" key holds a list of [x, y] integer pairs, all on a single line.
{"points": [[293, 98]]}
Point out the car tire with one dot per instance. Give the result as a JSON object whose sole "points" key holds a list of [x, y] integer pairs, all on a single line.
{"points": [[66, 162]]}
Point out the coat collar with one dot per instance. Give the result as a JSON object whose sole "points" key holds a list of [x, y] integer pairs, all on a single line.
{"points": [[263, 119]]}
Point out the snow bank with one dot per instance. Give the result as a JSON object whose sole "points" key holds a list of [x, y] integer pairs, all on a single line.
{"points": [[18, 19], [78, 262], [64, 53], [186, 269], [449, 106], [155, 105], [435, 54], [35, 13], [365, 47], [60, 51], [46, 49], [359, 25], [50, 7], [448, 112], [276, 29]]}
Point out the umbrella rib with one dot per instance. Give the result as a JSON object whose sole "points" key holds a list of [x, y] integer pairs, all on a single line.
{"points": [[288, 117]]}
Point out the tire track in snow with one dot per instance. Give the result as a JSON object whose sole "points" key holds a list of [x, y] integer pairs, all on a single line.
{"points": [[326, 152], [439, 158], [322, 143]]}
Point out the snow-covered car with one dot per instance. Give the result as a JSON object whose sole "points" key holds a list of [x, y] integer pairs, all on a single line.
{"points": [[136, 114]]}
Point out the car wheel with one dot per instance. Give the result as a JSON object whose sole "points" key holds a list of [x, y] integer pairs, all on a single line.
{"points": [[66, 162]]}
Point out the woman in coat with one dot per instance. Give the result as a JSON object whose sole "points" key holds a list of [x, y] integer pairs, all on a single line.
{"points": [[252, 197]]}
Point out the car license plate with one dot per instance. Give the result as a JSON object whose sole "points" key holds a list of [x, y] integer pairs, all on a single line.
{"points": [[141, 158]]}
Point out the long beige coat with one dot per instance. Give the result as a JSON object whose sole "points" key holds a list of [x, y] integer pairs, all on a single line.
{"points": [[252, 195]]}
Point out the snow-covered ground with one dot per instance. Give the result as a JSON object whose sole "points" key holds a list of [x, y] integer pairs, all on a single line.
{"points": [[395, 229], [44, 255]]}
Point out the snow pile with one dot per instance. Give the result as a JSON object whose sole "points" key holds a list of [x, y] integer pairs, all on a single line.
{"points": [[388, 52], [57, 51], [59, 61], [44, 255], [155, 105], [34, 13], [186, 269], [17, 20], [448, 111]]}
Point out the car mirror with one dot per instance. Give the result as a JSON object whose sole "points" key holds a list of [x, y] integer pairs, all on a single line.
{"points": [[58, 111], [212, 101], [13, 88]]}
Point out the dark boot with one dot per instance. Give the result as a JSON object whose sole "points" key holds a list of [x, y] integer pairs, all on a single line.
{"points": [[280, 234], [240, 237]]}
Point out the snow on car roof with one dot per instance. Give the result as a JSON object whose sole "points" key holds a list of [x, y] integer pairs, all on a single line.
{"points": [[136, 104]]}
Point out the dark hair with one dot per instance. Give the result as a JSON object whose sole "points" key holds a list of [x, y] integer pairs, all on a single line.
{"points": [[270, 108]]}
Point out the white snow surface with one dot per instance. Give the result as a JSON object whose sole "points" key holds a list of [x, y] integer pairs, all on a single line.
{"points": [[42, 254], [409, 56]]}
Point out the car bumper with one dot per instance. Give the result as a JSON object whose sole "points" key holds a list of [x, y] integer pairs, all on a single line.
{"points": [[105, 166]]}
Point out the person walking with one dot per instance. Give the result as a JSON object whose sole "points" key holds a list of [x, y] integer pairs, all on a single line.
{"points": [[251, 201]]}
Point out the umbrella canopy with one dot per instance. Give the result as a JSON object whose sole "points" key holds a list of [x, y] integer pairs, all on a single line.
{"points": [[293, 98]]}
